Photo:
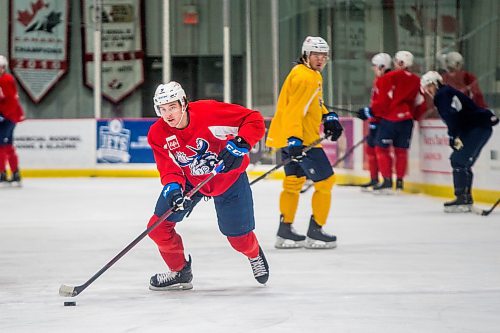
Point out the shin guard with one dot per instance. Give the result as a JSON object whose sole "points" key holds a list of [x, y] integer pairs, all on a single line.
{"points": [[11, 156], [384, 160], [246, 244], [169, 243], [401, 163], [289, 198], [321, 199], [372, 162]]}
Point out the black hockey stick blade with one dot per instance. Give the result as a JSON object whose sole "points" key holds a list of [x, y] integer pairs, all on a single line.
{"points": [[69, 291], [486, 212]]}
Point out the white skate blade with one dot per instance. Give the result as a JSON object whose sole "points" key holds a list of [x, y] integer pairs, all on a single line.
{"points": [[458, 209], [283, 243], [177, 286], [385, 191], [317, 244]]}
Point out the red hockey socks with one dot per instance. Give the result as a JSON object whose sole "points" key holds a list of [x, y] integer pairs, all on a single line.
{"points": [[169, 243], [384, 160], [246, 244], [372, 162], [11, 157], [401, 157]]}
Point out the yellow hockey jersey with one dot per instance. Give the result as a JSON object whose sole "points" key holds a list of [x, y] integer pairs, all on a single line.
{"points": [[300, 108]]}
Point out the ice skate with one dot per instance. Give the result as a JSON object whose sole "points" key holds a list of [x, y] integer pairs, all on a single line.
{"points": [[399, 186], [16, 179], [384, 188], [3, 180], [173, 280], [287, 238], [317, 238], [462, 204], [260, 268], [368, 187]]}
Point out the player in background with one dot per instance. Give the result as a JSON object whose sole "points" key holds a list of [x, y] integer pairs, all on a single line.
{"points": [[398, 102], [296, 124], [462, 80], [188, 141], [11, 113], [469, 128], [381, 64]]}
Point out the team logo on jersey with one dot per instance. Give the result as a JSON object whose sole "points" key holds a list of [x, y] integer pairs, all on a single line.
{"points": [[201, 162], [172, 143]]}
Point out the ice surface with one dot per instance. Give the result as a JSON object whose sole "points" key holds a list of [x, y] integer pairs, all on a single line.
{"points": [[401, 265]]}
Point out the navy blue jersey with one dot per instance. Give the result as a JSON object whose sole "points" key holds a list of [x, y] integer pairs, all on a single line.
{"points": [[459, 112]]}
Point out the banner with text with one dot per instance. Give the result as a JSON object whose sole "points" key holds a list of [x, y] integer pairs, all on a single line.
{"points": [[122, 47], [39, 37], [434, 148]]}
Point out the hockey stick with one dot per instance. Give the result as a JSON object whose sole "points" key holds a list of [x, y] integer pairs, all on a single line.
{"points": [[485, 212], [286, 161], [334, 108], [337, 162], [72, 291]]}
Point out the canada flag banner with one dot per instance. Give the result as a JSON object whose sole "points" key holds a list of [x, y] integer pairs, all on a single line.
{"points": [[38, 44]]}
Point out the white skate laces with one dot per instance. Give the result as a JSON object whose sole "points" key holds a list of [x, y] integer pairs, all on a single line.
{"points": [[166, 277], [258, 266]]}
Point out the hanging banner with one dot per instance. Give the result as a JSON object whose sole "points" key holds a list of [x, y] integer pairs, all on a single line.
{"points": [[409, 22], [38, 44], [122, 47]]}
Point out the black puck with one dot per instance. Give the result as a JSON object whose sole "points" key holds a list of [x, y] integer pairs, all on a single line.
{"points": [[69, 303]]}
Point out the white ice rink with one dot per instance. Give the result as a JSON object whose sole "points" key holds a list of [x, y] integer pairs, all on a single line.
{"points": [[401, 265]]}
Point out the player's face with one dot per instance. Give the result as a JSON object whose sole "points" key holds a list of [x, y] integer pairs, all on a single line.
{"points": [[430, 90], [378, 72], [2, 70], [171, 113], [318, 60]]}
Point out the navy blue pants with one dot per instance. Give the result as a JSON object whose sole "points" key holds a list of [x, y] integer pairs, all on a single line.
{"points": [[234, 208], [462, 160], [371, 140], [6, 131], [315, 165], [395, 133]]}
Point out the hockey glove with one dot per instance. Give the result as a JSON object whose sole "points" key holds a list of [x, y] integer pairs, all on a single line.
{"points": [[172, 192], [493, 119], [455, 143], [295, 148], [365, 113], [232, 155], [331, 126]]}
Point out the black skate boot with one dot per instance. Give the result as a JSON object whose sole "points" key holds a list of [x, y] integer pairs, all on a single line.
{"points": [[16, 179], [173, 280], [317, 239], [260, 268], [399, 185], [462, 204], [3, 179], [384, 188], [368, 187], [287, 238]]}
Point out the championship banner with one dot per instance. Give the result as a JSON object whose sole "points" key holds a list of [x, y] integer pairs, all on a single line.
{"points": [[38, 44], [122, 47]]}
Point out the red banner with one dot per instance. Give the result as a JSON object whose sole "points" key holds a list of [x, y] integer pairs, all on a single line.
{"points": [[122, 47], [38, 44]]}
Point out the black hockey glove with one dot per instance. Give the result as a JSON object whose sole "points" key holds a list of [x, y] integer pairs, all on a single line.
{"points": [[331, 126], [365, 113], [295, 149], [455, 143], [232, 155], [172, 192]]}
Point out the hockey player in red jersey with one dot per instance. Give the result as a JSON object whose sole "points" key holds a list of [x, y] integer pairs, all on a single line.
{"points": [[462, 80], [399, 102], [381, 64], [11, 113], [188, 141]]}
